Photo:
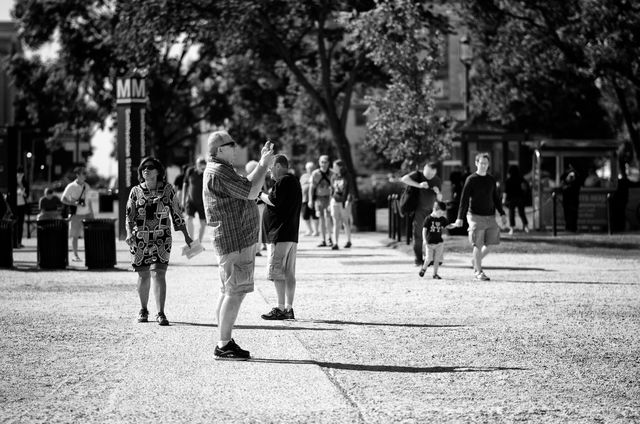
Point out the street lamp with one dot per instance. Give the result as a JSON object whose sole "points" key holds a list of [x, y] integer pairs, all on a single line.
{"points": [[466, 57]]}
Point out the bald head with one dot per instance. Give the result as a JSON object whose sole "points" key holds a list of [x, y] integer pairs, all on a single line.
{"points": [[216, 140]]}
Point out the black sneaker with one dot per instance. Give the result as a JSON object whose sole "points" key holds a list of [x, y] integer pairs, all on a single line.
{"points": [[288, 314], [330, 242], [436, 277], [231, 352], [323, 244], [162, 319], [422, 271], [274, 314], [143, 315], [335, 247], [347, 245]]}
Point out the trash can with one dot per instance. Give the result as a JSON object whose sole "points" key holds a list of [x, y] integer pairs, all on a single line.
{"points": [[6, 243], [99, 243], [53, 243], [105, 202], [364, 215]]}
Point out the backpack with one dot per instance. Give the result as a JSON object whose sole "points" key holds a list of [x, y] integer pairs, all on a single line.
{"points": [[408, 200]]}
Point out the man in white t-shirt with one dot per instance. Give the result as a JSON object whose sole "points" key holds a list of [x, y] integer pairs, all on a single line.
{"points": [[75, 195]]}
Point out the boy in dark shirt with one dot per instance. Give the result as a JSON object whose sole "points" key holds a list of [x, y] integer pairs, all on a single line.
{"points": [[282, 223], [432, 235]]}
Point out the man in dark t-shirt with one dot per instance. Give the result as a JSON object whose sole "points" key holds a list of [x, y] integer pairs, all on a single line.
{"points": [[480, 198], [429, 186], [192, 196], [281, 223]]}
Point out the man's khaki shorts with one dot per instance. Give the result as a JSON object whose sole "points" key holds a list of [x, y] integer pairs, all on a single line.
{"points": [[76, 227], [483, 230], [236, 271], [321, 204], [281, 263]]}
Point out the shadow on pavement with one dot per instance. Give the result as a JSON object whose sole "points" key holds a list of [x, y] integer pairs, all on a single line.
{"points": [[256, 327], [337, 255], [21, 266], [381, 324], [502, 268], [603, 283], [384, 368]]}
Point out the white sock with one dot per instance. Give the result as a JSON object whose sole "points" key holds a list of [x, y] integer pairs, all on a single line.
{"points": [[281, 307], [223, 343], [288, 308]]}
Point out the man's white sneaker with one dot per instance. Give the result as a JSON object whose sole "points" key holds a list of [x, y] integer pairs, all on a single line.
{"points": [[481, 276]]}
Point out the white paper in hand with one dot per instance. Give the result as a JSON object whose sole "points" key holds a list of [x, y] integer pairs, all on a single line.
{"points": [[195, 249]]}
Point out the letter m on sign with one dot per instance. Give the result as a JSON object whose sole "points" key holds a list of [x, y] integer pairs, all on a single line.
{"points": [[138, 89], [124, 89]]}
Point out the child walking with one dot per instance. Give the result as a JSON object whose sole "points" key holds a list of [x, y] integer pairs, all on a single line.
{"points": [[432, 236]]}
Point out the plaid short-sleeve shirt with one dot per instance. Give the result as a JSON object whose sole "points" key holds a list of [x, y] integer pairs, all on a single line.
{"points": [[232, 215]]}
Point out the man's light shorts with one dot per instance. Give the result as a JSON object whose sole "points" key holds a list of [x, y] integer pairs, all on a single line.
{"points": [[321, 204], [76, 227], [435, 252], [281, 263], [483, 230], [338, 210], [236, 271]]}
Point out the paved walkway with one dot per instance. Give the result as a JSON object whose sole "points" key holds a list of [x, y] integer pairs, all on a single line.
{"points": [[552, 337]]}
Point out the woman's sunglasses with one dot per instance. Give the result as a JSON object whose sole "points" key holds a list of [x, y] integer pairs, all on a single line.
{"points": [[231, 143], [148, 168]]}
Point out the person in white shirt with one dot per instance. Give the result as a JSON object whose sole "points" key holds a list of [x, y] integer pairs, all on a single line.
{"points": [[75, 195]]}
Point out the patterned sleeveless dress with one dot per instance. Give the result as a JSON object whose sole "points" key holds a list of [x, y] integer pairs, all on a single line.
{"points": [[148, 214]]}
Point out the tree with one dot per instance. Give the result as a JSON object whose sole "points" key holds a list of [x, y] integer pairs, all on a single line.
{"points": [[405, 39], [585, 50]]}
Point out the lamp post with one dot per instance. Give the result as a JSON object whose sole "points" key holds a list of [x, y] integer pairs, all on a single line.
{"points": [[466, 57]]}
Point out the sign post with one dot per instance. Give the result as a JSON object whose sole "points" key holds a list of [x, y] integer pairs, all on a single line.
{"points": [[131, 95]]}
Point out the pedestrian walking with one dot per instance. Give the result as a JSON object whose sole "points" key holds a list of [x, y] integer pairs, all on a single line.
{"points": [[74, 196], [192, 197], [432, 228], [50, 206], [341, 201], [514, 198], [21, 197], [232, 212], [151, 207], [320, 196], [429, 188], [570, 186], [480, 198], [308, 213], [282, 224]]}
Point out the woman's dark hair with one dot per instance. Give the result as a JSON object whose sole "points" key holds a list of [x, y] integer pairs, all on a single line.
{"points": [[156, 163], [514, 171]]}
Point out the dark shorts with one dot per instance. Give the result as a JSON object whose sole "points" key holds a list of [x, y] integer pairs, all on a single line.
{"points": [[308, 213], [192, 208]]}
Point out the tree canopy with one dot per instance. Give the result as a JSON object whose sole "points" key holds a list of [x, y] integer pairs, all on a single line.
{"points": [[558, 67]]}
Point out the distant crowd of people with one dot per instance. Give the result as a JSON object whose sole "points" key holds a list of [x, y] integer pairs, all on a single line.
{"points": [[261, 211]]}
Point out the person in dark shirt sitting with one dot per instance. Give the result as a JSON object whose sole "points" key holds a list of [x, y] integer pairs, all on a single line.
{"points": [[480, 198], [50, 206]]}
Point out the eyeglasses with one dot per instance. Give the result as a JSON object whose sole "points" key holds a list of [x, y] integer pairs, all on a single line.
{"points": [[231, 143], [148, 168]]}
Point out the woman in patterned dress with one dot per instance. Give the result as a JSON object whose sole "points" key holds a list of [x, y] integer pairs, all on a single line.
{"points": [[151, 206]]}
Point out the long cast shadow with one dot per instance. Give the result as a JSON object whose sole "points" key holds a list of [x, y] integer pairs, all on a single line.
{"points": [[501, 268], [385, 368], [257, 327], [380, 324], [588, 283]]}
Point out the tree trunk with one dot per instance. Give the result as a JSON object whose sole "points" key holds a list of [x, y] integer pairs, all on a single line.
{"points": [[628, 117]]}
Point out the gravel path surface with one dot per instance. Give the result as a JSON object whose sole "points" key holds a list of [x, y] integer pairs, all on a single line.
{"points": [[553, 337]]}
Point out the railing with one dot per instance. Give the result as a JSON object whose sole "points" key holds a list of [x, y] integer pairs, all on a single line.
{"points": [[554, 199], [399, 224]]}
